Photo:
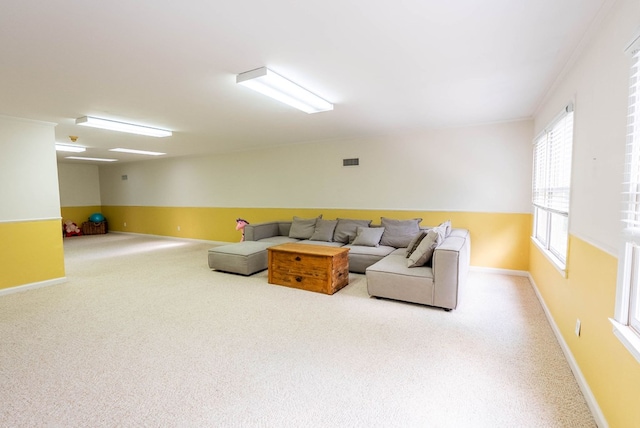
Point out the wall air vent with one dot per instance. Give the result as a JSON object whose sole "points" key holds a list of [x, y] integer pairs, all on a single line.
{"points": [[351, 162]]}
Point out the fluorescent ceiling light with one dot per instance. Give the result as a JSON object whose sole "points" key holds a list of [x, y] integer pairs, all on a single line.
{"points": [[91, 159], [69, 148], [277, 87], [137, 152], [96, 122]]}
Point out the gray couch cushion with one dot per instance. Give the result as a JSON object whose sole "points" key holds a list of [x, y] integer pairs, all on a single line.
{"points": [[277, 240], [361, 257], [245, 258], [368, 236], [379, 251], [397, 264], [399, 233], [241, 248], [424, 251], [346, 229], [415, 242], [322, 243], [391, 278], [302, 228], [324, 230]]}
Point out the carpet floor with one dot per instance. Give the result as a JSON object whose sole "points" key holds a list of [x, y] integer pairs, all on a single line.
{"points": [[143, 333]]}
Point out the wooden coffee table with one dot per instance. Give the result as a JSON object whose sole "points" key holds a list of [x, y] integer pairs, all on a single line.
{"points": [[309, 267]]}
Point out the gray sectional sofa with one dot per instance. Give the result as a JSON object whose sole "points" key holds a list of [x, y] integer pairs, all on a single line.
{"points": [[381, 252]]}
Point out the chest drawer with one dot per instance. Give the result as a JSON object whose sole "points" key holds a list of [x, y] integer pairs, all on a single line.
{"points": [[301, 263], [304, 282]]}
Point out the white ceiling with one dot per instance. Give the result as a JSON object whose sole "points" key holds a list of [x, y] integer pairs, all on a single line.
{"points": [[388, 66]]}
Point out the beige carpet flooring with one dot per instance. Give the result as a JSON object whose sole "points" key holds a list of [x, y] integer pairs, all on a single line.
{"points": [[145, 334]]}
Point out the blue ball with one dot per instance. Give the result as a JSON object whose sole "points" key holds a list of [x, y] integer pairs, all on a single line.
{"points": [[96, 217]]}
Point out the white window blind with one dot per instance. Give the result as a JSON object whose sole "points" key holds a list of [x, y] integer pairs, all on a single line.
{"points": [[631, 198], [552, 166], [631, 213], [626, 324], [552, 186]]}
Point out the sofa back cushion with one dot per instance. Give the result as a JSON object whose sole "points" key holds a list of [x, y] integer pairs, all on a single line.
{"points": [[399, 233], [368, 236], [302, 228], [346, 229], [324, 230]]}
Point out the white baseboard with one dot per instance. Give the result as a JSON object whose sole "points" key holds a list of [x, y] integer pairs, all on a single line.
{"points": [[499, 271], [582, 382], [32, 286], [175, 238]]}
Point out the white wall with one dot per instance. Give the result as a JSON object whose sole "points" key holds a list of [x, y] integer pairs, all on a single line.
{"points": [[79, 185], [483, 168], [28, 170], [598, 82]]}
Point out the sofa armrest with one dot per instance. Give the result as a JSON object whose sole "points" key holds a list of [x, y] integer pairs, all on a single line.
{"points": [[258, 231], [450, 268]]}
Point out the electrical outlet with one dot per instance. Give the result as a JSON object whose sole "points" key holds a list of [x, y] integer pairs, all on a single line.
{"points": [[178, 228], [578, 327], [125, 224]]}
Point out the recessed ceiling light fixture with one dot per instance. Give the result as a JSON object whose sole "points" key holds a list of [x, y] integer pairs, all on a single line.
{"points": [[91, 159], [60, 147], [137, 152], [279, 88], [131, 128]]}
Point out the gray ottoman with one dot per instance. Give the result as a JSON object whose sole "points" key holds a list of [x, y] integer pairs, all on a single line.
{"points": [[245, 258]]}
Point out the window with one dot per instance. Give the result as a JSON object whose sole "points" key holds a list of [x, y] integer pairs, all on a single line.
{"points": [[552, 186], [627, 311]]}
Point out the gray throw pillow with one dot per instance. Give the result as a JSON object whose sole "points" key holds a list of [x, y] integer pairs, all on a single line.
{"points": [[324, 230], [302, 228], [346, 229], [399, 233], [415, 242], [425, 250], [368, 236]]}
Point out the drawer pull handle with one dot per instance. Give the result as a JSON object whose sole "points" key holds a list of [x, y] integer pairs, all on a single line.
{"points": [[299, 279], [297, 259]]}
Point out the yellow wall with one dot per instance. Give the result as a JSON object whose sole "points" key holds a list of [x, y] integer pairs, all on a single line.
{"points": [[31, 252], [498, 240], [588, 293], [78, 215]]}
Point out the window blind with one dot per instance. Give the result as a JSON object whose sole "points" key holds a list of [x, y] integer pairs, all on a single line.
{"points": [[626, 325], [631, 211], [552, 165]]}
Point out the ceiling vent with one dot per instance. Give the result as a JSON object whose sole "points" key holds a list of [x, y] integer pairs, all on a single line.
{"points": [[351, 162]]}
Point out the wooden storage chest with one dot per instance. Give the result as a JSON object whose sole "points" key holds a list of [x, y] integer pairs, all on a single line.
{"points": [[309, 267]]}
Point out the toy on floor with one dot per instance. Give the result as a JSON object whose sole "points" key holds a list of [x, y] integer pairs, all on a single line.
{"points": [[96, 218], [71, 229], [240, 224]]}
